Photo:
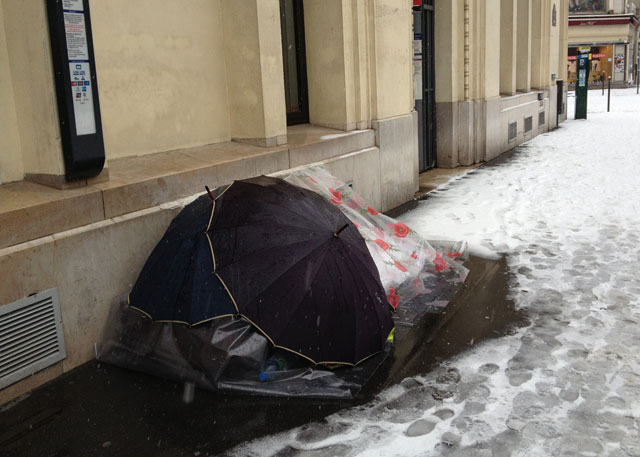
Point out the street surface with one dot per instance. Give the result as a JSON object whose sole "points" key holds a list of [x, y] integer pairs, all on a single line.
{"points": [[564, 210]]}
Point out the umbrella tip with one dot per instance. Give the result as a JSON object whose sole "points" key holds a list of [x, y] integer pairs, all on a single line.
{"points": [[210, 193], [338, 232]]}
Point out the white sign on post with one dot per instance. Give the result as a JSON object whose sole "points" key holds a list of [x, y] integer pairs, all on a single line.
{"points": [[79, 68], [417, 66], [72, 5], [76, 34], [82, 97]]}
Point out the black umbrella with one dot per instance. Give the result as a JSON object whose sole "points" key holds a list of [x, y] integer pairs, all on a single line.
{"points": [[177, 283], [299, 271]]}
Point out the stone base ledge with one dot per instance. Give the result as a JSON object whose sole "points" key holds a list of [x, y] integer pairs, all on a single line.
{"points": [[29, 210]]}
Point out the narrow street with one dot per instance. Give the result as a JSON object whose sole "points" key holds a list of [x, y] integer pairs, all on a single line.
{"points": [[563, 209]]}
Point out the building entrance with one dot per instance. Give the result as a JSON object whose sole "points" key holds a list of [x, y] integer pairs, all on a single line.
{"points": [[294, 61], [424, 80]]}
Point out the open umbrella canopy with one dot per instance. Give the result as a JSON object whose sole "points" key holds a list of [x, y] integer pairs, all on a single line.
{"points": [[299, 271], [278, 255], [177, 283]]}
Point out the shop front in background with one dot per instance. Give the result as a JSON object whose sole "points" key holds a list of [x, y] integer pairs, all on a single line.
{"points": [[606, 60]]}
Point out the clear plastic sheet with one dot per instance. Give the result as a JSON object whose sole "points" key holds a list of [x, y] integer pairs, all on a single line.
{"points": [[408, 264], [226, 354]]}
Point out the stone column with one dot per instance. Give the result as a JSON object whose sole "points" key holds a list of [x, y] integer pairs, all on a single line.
{"points": [[335, 35], [449, 54], [11, 168], [563, 23], [508, 45], [36, 113], [253, 56], [523, 60], [540, 24]]}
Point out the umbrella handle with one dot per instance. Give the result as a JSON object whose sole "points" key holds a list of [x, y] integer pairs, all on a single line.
{"points": [[338, 232]]}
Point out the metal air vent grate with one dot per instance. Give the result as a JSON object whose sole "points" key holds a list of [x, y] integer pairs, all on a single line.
{"points": [[31, 336], [541, 119], [528, 124], [513, 131]]}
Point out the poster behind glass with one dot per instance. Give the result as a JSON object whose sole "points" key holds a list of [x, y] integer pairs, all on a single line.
{"points": [[587, 6]]}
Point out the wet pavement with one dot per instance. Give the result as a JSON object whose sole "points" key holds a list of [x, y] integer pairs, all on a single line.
{"points": [[100, 409]]}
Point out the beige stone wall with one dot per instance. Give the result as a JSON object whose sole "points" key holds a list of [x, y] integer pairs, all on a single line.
{"points": [[523, 51], [563, 18], [253, 56], [513, 50], [11, 168], [329, 47], [178, 77], [161, 75], [358, 61], [508, 45], [492, 51], [449, 30], [600, 33], [93, 268], [29, 57], [392, 79], [554, 37]]}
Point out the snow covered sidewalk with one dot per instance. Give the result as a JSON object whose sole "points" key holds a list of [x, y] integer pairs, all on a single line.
{"points": [[565, 211]]}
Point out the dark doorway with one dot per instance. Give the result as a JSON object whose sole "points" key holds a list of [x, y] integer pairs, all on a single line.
{"points": [[294, 61], [424, 80]]}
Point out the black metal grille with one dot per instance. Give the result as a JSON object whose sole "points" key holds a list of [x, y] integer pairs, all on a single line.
{"points": [[528, 124], [513, 131], [30, 336]]}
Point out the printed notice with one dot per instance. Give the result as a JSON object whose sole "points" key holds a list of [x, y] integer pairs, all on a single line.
{"points": [[81, 87], [73, 5], [76, 34], [417, 66]]}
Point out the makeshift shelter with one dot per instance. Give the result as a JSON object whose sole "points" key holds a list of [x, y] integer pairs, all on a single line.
{"points": [[268, 275]]}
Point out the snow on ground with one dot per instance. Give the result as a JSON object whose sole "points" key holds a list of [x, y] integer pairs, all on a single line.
{"points": [[566, 213]]}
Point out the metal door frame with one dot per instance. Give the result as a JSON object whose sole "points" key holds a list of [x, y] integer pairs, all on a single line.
{"points": [[428, 149]]}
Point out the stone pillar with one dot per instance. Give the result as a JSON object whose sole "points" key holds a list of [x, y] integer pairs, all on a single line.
{"points": [[523, 59], [11, 168], [36, 113], [449, 54], [253, 56], [508, 45], [563, 23], [329, 48], [540, 24], [391, 59], [391, 83]]}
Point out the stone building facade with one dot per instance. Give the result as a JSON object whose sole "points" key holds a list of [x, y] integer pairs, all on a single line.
{"points": [[498, 64]]}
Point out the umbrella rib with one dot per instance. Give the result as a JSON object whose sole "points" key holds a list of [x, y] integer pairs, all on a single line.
{"points": [[228, 292], [213, 255], [213, 208]]}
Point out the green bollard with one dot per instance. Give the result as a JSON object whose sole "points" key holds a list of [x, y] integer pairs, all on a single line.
{"points": [[582, 86]]}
